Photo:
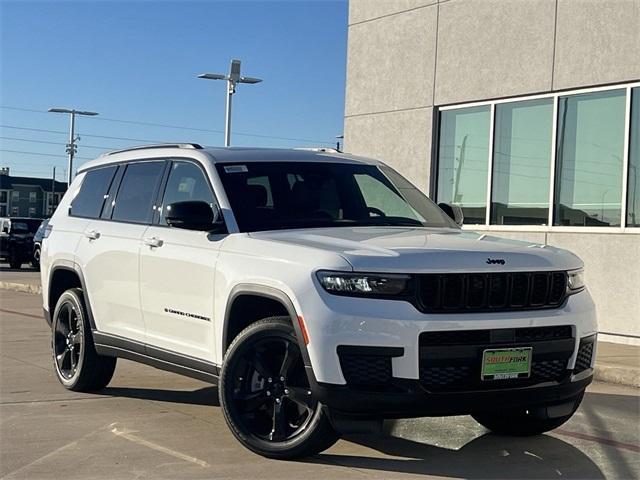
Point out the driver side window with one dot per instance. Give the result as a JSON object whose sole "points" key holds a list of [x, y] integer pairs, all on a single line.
{"points": [[378, 197], [187, 182]]}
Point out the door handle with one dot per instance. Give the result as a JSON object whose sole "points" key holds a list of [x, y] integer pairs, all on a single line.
{"points": [[153, 242], [92, 234]]}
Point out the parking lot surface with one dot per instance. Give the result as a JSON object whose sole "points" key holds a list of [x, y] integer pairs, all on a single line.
{"points": [[153, 424]]}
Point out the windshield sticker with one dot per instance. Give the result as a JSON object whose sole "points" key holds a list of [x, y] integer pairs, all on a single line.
{"points": [[236, 169]]}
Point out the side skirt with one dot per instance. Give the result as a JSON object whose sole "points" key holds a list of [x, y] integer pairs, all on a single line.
{"points": [[115, 346]]}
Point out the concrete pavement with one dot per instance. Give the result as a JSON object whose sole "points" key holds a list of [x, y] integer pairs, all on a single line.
{"points": [[153, 424]]}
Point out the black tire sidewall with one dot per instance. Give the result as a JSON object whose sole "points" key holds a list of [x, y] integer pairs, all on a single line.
{"points": [[73, 297], [276, 326]]}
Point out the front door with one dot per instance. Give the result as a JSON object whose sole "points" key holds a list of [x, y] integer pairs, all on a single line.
{"points": [[177, 271]]}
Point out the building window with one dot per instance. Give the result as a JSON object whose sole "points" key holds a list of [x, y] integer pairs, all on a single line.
{"points": [[3, 210], [32, 211], [463, 160], [14, 211], [559, 160], [521, 163], [15, 195], [590, 150], [33, 197], [3, 196], [633, 186]]}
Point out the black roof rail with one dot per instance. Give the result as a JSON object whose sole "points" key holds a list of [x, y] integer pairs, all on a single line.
{"points": [[193, 146]]}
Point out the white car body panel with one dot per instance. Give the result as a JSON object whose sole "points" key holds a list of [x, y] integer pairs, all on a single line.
{"points": [[130, 284]]}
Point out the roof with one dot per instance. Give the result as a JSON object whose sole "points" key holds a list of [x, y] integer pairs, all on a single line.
{"points": [[226, 154], [8, 182]]}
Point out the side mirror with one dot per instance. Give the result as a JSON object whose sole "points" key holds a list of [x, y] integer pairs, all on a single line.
{"points": [[454, 212], [192, 215]]}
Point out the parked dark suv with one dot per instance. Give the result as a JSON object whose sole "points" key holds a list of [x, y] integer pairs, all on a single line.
{"points": [[37, 244], [16, 239]]}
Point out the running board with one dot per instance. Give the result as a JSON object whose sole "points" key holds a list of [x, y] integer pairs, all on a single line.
{"points": [[115, 346]]}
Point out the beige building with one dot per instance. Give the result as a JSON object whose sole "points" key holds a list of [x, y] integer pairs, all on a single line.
{"points": [[526, 113]]}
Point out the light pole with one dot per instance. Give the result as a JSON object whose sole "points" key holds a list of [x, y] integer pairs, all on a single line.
{"points": [[71, 146], [232, 80]]}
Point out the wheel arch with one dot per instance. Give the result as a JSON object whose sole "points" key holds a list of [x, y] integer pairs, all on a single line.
{"points": [[242, 295], [62, 277]]}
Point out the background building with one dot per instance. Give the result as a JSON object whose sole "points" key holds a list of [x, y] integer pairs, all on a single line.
{"points": [[525, 113], [27, 196]]}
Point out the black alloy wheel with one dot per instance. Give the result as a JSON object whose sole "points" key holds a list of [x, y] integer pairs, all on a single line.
{"points": [[68, 342], [265, 394], [271, 393]]}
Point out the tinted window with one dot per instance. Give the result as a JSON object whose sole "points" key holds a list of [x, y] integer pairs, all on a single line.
{"points": [[134, 202], [186, 183], [463, 160], [95, 185], [279, 195], [633, 189], [590, 148], [522, 162]]}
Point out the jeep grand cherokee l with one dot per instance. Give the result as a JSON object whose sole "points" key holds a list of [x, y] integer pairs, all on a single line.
{"points": [[321, 292]]}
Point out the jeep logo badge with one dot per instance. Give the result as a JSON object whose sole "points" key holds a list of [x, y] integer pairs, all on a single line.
{"points": [[495, 261]]}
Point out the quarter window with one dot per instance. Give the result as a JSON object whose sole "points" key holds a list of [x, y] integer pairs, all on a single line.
{"points": [[95, 185], [134, 202], [186, 182]]}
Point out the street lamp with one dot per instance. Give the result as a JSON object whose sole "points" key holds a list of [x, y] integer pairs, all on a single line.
{"points": [[232, 80], [71, 146]]}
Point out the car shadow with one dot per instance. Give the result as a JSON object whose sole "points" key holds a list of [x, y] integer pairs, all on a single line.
{"points": [[206, 396], [486, 456]]}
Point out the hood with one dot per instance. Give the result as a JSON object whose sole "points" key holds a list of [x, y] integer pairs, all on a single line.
{"points": [[407, 249]]}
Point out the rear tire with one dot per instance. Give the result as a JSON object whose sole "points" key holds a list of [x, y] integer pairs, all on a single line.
{"points": [[265, 396], [522, 422], [77, 365], [35, 259]]}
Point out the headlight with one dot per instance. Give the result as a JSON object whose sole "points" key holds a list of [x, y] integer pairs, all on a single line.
{"points": [[575, 280], [364, 284]]}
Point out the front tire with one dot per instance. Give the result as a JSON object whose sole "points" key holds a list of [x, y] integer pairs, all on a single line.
{"points": [[265, 396], [522, 422], [77, 364]]}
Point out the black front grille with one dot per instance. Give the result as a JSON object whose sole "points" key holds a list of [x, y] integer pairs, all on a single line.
{"points": [[365, 370], [478, 292], [585, 354], [452, 360]]}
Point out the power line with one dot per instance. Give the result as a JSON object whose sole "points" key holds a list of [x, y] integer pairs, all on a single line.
{"points": [[82, 134], [178, 127], [54, 143], [40, 154]]}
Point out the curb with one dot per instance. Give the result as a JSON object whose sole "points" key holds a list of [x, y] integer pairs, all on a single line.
{"points": [[602, 373], [629, 376], [21, 287]]}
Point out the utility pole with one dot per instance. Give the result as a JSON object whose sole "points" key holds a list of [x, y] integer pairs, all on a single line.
{"points": [[232, 79], [71, 146], [53, 190]]}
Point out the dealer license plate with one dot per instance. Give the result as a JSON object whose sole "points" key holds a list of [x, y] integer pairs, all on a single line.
{"points": [[506, 363]]}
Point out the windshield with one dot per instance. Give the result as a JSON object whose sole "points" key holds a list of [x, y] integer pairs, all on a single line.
{"points": [[284, 195]]}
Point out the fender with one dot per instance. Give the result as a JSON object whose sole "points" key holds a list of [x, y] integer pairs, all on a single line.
{"points": [[75, 268], [274, 294]]}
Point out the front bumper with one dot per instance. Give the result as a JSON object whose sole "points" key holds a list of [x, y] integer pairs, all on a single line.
{"points": [[411, 400]]}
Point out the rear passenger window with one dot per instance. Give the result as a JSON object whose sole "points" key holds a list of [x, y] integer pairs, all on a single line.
{"points": [[95, 185], [134, 202]]}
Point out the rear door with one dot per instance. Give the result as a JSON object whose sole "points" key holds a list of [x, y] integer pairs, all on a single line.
{"points": [[177, 269], [109, 249]]}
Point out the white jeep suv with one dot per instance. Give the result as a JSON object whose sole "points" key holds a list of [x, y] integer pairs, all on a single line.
{"points": [[320, 291]]}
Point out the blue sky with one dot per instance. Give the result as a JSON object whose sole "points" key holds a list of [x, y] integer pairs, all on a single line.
{"points": [[138, 60]]}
